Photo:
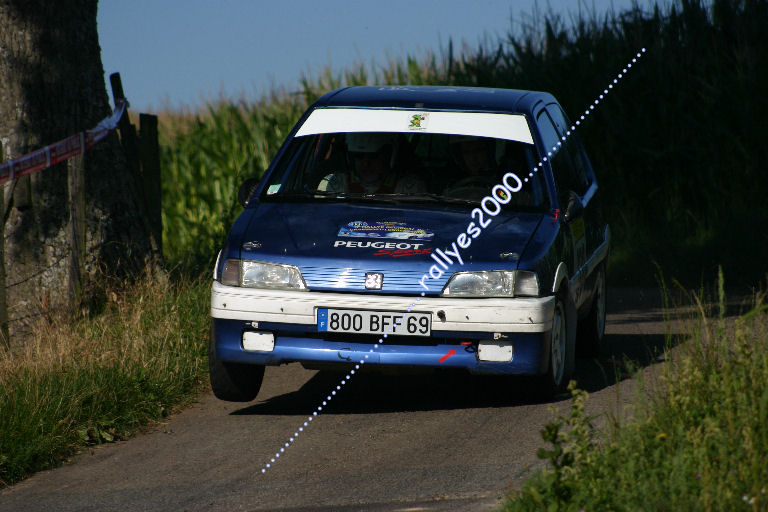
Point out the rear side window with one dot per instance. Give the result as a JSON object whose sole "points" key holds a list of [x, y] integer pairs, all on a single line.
{"points": [[574, 149], [547, 130], [564, 169]]}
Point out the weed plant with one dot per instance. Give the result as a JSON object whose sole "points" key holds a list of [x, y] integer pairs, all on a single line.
{"points": [[677, 144], [101, 376], [698, 439]]}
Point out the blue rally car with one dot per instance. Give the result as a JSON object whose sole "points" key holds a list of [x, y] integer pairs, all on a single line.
{"points": [[414, 227]]}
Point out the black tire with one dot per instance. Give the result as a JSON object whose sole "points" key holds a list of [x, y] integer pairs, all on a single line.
{"points": [[231, 381], [591, 332], [560, 367]]}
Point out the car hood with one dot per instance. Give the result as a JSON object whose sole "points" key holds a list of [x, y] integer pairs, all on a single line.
{"points": [[336, 244]]}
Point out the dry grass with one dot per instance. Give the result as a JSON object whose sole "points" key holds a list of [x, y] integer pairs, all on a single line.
{"points": [[99, 376]]}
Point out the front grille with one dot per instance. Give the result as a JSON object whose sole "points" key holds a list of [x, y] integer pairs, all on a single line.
{"points": [[353, 279]]}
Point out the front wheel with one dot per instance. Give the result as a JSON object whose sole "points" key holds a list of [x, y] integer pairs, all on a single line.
{"points": [[592, 329], [555, 381], [233, 382]]}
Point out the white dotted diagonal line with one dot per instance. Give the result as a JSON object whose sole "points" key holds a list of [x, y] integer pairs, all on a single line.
{"points": [[344, 381], [583, 116], [349, 375]]}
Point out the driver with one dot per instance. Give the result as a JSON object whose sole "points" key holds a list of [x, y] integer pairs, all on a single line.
{"points": [[475, 158], [371, 156]]}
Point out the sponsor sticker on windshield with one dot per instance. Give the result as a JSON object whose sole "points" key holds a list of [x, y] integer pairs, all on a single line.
{"points": [[418, 122], [385, 229]]}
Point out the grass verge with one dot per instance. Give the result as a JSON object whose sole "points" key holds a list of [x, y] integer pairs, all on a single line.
{"points": [[99, 377], [698, 439]]}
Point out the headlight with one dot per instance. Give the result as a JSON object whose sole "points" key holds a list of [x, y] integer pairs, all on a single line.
{"points": [[493, 283], [259, 274]]}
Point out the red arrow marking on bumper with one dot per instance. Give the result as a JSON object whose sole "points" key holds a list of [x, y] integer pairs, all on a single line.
{"points": [[446, 356]]}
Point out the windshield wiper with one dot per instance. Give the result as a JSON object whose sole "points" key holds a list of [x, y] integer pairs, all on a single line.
{"points": [[318, 192], [324, 194], [307, 195], [378, 197], [422, 196]]}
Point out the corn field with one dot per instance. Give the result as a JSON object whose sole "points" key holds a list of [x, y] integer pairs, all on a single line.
{"points": [[677, 145]]}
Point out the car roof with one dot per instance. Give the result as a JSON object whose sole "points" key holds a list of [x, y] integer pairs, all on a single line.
{"points": [[436, 98]]}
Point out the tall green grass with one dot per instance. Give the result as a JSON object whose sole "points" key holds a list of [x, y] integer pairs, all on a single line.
{"points": [[204, 160], [98, 378], [698, 439], [677, 144]]}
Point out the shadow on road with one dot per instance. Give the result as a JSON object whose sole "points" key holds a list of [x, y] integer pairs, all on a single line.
{"points": [[638, 330], [372, 392], [623, 354]]}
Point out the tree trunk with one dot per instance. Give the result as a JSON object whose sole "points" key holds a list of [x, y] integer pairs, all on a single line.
{"points": [[52, 86]]}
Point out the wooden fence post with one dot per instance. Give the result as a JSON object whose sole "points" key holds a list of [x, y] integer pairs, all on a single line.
{"points": [[149, 154], [76, 196], [129, 141], [5, 337], [127, 131]]}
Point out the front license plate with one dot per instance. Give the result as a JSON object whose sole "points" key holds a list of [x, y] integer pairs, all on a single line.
{"points": [[374, 322]]}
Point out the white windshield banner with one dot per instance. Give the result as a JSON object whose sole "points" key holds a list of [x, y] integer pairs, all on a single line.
{"points": [[479, 124]]}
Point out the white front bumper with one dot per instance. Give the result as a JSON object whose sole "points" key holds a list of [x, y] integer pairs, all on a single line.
{"points": [[520, 314]]}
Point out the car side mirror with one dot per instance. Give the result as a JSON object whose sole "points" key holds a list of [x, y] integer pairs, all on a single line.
{"points": [[246, 190], [573, 208]]}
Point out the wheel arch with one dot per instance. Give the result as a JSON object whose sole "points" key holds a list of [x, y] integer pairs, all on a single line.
{"points": [[561, 274]]}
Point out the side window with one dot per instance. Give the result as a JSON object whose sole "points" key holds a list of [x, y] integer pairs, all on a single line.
{"points": [[581, 179], [547, 130], [563, 168]]}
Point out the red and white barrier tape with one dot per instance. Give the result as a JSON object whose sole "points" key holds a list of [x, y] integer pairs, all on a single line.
{"points": [[61, 150]]}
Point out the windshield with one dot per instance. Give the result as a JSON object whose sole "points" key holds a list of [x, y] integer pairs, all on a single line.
{"points": [[404, 167]]}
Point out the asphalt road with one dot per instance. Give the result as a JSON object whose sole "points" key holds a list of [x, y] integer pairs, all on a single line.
{"points": [[387, 443]]}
